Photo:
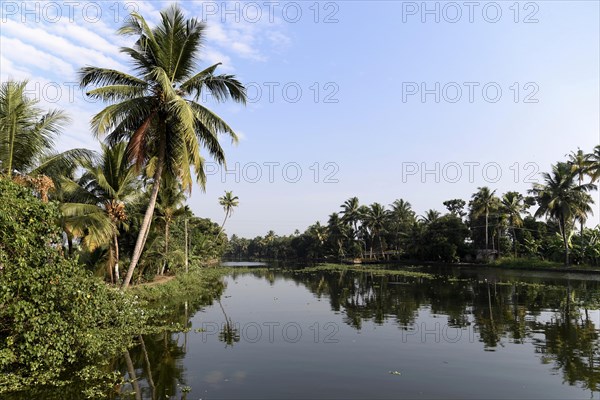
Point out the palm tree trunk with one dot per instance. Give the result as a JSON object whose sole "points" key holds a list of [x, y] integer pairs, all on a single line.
{"points": [[561, 225], [486, 232], [116, 244], [186, 247], [162, 271], [514, 240], [145, 228], [223, 224], [11, 145]]}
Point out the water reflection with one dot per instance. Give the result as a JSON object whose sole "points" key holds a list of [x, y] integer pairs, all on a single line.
{"points": [[555, 315]]}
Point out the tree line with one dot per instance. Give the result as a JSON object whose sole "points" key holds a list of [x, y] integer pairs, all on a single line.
{"points": [[546, 223]]}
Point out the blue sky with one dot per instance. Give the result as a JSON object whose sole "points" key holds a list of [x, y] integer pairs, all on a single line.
{"points": [[338, 88]]}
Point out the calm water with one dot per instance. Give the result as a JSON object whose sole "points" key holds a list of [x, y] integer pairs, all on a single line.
{"points": [[465, 334]]}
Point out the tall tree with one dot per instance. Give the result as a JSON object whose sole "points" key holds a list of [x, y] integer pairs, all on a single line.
{"points": [[595, 164], [169, 205], [512, 205], [561, 198], [581, 166], [375, 219], [157, 111], [351, 215], [228, 202], [481, 203]]}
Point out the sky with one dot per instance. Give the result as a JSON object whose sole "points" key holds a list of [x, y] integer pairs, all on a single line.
{"points": [[424, 101]]}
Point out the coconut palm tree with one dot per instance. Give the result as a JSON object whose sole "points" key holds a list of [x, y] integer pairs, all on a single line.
{"points": [[563, 199], [229, 202], [581, 166], [430, 216], [375, 219], [169, 205], [26, 131], [512, 205], [96, 210], [594, 169], [156, 111], [481, 203]]}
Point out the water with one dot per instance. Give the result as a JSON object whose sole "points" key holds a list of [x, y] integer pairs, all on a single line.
{"points": [[466, 333]]}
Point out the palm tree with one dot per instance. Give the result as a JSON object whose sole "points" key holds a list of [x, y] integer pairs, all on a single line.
{"points": [[351, 215], [402, 218], [157, 111], [481, 203], [169, 205], [430, 216], [595, 164], [26, 131], [96, 209], [581, 166], [375, 219], [513, 205], [563, 199], [229, 202]]}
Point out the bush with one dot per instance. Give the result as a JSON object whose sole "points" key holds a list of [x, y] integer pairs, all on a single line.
{"points": [[58, 324]]}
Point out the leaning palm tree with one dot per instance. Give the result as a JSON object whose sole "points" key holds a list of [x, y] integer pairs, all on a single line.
{"points": [[563, 199], [228, 202], [481, 203], [157, 111]]}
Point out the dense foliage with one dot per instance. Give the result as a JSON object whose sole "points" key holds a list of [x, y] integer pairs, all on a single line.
{"points": [[58, 324], [486, 227]]}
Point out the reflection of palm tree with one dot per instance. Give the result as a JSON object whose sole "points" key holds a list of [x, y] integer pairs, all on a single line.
{"points": [[229, 334], [148, 367], [132, 377]]}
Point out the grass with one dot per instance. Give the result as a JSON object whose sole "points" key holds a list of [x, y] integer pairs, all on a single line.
{"points": [[371, 268], [533, 264]]}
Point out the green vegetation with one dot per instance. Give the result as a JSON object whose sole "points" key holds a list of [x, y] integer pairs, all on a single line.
{"points": [[375, 270], [487, 228], [69, 220], [46, 296]]}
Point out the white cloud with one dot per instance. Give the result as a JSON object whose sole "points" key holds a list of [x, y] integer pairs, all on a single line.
{"points": [[22, 53]]}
